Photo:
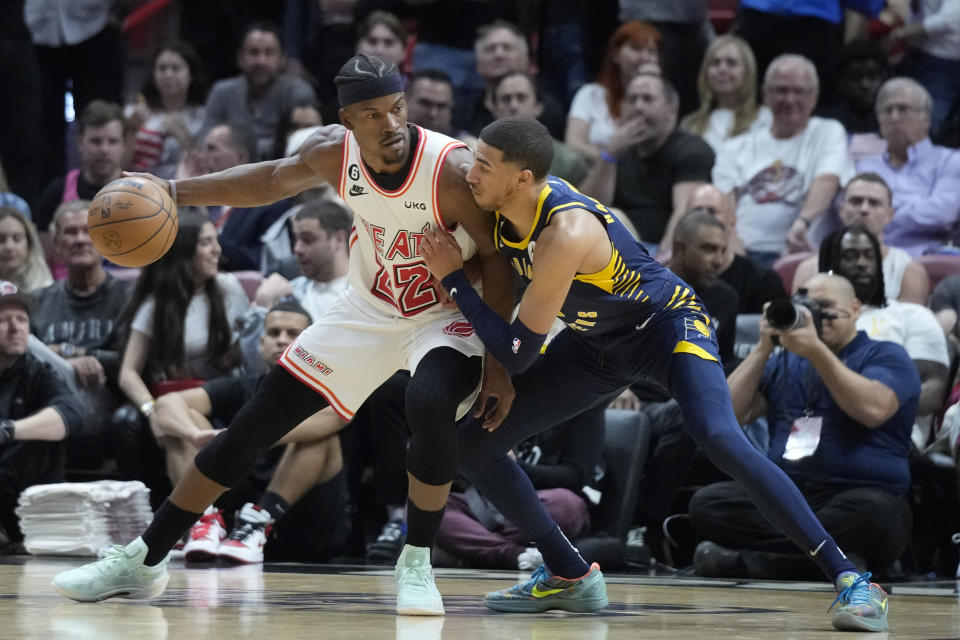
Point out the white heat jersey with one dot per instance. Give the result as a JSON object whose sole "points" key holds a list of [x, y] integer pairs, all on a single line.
{"points": [[385, 264]]}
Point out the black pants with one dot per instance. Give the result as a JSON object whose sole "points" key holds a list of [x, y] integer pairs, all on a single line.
{"points": [[377, 449], [672, 451], [871, 524], [770, 35], [24, 463], [684, 46], [94, 69], [20, 150]]}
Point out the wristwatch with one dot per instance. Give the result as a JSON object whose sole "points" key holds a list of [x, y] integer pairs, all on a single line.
{"points": [[68, 350]]}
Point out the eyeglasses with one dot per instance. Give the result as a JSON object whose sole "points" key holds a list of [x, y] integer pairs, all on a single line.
{"points": [[899, 109], [781, 91]]}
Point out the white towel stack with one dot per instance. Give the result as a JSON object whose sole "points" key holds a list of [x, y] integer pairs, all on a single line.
{"points": [[81, 518]]}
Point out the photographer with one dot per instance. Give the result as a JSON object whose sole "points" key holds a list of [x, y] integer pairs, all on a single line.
{"points": [[840, 407]]}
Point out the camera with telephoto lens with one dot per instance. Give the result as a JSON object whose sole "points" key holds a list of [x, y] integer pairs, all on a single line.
{"points": [[785, 314]]}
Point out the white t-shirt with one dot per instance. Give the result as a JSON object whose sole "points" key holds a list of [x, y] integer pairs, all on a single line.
{"points": [[590, 105], [910, 325], [197, 322], [894, 266], [315, 296], [772, 177], [721, 120]]}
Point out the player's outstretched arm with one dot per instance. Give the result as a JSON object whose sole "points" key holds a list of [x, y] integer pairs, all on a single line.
{"points": [[261, 183]]}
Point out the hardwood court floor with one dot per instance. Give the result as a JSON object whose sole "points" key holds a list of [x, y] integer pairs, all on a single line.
{"points": [[307, 601]]}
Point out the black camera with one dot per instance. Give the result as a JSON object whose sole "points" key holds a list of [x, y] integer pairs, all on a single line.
{"points": [[785, 314]]}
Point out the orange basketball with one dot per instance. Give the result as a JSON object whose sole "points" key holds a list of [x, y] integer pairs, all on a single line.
{"points": [[132, 222]]}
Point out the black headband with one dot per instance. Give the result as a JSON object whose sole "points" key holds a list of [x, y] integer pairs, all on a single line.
{"points": [[368, 89]]}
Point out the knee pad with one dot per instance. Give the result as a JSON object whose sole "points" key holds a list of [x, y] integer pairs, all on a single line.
{"points": [[227, 460], [431, 457]]}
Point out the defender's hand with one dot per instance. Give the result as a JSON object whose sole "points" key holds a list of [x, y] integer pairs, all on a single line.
{"points": [[440, 252], [497, 387]]}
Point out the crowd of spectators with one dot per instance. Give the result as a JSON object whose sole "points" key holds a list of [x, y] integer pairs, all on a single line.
{"points": [[806, 147]]}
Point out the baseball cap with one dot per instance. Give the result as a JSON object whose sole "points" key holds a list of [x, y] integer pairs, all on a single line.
{"points": [[10, 293]]}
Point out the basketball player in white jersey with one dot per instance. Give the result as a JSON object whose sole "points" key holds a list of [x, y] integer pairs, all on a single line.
{"points": [[398, 179]]}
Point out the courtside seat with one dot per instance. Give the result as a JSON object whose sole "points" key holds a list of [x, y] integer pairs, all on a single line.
{"points": [[939, 266], [251, 282], [625, 447], [786, 266]]}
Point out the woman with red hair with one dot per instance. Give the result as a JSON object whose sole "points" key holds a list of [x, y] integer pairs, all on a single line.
{"points": [[633, 47]]}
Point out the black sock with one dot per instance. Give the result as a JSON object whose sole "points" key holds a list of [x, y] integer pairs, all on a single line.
{"points": [[169, 524], [560, 556], [274, 504], [422, 526]]}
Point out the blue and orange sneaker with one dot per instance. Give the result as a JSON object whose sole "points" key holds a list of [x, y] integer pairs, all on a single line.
{"points": [[863, 604], [544, 592]]}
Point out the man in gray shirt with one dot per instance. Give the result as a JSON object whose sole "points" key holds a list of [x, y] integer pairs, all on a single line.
{"points": [[261, 95]]}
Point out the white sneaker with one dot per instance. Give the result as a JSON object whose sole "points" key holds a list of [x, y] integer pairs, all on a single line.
{"points": [[245, 543], [417, 594], [205, 537], [121, 573], [529, 560]]}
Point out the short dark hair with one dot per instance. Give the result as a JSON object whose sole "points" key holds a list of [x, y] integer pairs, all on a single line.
{"points": [[692, 220], [669, 91], [290, 305], [435, 75], [487, 29], [861, 51], [523, 74], [829, 258], [388, 20], [523, 141], [242, 138], [99, 113], [331, 217], [870, 176], [261, 25]]}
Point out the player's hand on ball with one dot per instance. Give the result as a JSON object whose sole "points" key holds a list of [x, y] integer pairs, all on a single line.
{"points": [[160, 182], [440, 252]]}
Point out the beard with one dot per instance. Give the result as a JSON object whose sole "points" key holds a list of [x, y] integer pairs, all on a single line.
{"points": [[865, 289]]}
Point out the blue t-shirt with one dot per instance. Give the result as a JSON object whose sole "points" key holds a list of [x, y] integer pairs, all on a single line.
{"points": [[848, 453], [829, 10]]}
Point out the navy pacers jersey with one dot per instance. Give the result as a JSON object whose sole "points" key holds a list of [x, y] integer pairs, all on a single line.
{"points": [[626, 293]]}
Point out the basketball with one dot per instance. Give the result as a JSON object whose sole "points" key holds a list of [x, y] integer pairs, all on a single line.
{"points": [[132, 222]]}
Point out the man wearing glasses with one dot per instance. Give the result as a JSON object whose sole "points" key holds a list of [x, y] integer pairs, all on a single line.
{"points": [[784, 178], [924, 177]]}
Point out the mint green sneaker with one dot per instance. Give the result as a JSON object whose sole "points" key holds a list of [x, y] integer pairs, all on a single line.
{"points": [[120, 572], [544, 592], [863, 605], [417, 594]]}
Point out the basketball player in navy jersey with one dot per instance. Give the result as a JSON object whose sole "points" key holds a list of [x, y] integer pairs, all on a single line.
{"points": [[398, 179], [627, 318]]}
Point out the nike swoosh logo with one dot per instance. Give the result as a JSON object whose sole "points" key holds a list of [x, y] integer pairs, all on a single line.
{"points": [[537, 593], [882, 603]]}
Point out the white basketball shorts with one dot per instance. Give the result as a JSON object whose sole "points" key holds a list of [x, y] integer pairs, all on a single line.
{"points": [[355, 346]]}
